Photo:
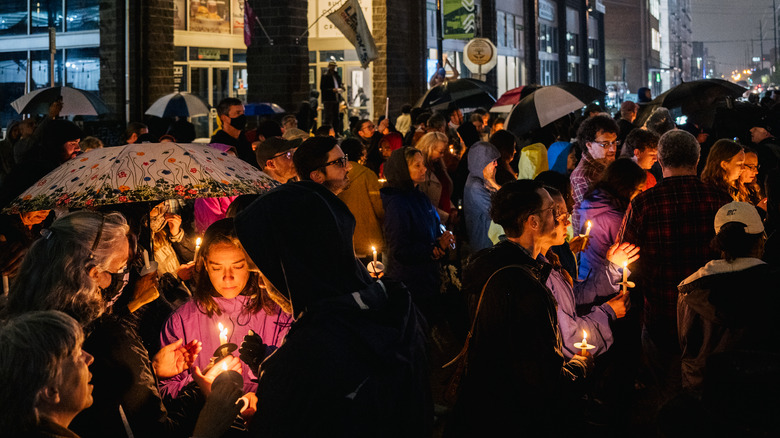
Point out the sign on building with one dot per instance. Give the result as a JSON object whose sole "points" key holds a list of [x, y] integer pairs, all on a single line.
{"points": [[459, 19]]}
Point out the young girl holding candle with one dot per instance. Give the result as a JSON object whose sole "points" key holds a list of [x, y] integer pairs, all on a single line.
{"points": [[226, 304]]}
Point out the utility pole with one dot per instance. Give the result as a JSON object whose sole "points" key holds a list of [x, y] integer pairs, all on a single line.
{"points": [[774, 21], [440, 34], [761, 42]]}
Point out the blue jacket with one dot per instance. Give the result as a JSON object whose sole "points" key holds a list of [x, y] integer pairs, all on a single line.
{"points": [[411, 230], [600, 208], [476, 196]]}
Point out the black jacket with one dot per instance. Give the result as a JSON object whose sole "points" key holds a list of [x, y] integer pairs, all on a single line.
{"points": [[242, 145], [517, 374]]}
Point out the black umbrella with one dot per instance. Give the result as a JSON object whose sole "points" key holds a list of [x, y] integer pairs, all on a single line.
{"points": [[465, 93], [548, 104], [696, 99]]}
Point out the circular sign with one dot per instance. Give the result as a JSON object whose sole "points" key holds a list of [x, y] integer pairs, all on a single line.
{"points": [[480, 51]]}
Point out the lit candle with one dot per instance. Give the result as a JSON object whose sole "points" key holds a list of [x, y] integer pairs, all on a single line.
{"points": [[5, 285], [223, 334], [625, 276], [587, 228], [197, 246], [224, 366], [387, 110], [146, 259], [373, 249], [584, 345]]}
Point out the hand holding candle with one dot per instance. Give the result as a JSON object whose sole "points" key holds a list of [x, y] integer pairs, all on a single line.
{"points": [[375, 267], [584, 346]]}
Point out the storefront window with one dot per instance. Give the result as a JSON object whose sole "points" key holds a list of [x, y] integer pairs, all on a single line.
{"points": [[82, 15], [40, 69], [209, 54], [82, 69], [13, 67], [13, 17], [46, 14], [209, 16]]}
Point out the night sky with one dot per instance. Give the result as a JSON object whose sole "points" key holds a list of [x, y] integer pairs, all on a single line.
{"points": [[727, 26]]}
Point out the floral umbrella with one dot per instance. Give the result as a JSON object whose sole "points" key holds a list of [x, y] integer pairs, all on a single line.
{"points": [[142, 172]]}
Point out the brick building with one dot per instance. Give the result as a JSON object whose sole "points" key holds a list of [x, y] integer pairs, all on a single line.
{"points": [[130, 53]]}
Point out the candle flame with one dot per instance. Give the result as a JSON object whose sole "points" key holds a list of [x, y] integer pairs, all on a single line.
{"points": [[373, 248], [584, 335], [625, 265], [224, 366], [198, 241]]}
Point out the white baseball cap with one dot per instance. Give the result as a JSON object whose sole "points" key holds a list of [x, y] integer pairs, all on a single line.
{"points": [[741, 212]]}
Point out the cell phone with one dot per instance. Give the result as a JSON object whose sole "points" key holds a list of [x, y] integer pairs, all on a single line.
{"points": [[443, 230]]}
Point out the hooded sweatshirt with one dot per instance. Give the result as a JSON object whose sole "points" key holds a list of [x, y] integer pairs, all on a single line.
{"points": [[411, 231], [476, 195], [726, 306], [606, 217], [353, 363]]}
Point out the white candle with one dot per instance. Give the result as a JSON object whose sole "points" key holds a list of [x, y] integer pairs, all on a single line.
{"points": [[223, 334], [625, 276], [587, 228], [146, 259], [387, 110], [584, 345], [5, 285], [197, 246], [373, 249]]}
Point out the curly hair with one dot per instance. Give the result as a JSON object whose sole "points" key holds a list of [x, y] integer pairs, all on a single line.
{"points": [[591, 127], [55, 272], [223, 232]]}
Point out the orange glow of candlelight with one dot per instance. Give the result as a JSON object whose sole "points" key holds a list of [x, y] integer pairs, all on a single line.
{"points": [[223, 334]]}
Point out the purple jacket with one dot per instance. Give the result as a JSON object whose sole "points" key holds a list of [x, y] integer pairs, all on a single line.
{"points": [[603, 282], [188, 322], [606, 218]]}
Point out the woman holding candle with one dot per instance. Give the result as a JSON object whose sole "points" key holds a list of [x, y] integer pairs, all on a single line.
{"points": [[225, 294], [414, 240], [603, 282], [604, 207]]}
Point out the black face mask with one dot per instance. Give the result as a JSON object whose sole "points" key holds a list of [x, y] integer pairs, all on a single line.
{"points": [[112, 293], [238, 122]]}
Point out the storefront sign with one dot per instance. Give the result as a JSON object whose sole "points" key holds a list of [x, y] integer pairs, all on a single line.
{"points": [[481, 55], [546, 10], [459, 19]]}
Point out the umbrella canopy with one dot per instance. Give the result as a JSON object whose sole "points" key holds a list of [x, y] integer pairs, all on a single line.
{"points": [[181, 104], [263, 109], [698, 93], [507, 100], [75, 102], [465, 93], [142, 172], [548, 104]]}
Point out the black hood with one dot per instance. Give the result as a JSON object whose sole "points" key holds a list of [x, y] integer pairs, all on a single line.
{"points": [[300, 236], [397, 171]]}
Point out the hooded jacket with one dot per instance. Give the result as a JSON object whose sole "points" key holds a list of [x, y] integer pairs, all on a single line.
{"points": [[601, 209], [354, 361], [476, 195], [726, 306], [411, 229], [532, 161]]}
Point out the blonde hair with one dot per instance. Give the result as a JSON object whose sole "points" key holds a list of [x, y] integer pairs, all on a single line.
{"points": [[429, 141]]}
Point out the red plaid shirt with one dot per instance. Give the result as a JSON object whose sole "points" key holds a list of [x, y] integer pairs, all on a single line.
{"points": [[583, 178], [673, 224]]}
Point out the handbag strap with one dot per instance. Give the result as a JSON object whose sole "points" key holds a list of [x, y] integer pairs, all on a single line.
{"points": [[476, 314]]}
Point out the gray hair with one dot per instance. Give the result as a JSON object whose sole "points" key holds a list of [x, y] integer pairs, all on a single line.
{"points": [[678, 149], [33, 347], [55, 272]]}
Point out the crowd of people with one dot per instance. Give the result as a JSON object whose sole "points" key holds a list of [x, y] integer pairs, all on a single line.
{"points": [[585, 277]]}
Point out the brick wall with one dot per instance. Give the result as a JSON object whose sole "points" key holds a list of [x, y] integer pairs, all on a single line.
{"points": [[278, 73], [399, 73]]}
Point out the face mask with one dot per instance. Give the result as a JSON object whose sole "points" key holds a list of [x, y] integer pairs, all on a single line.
{"points": [[238, 122], [112, 293]]}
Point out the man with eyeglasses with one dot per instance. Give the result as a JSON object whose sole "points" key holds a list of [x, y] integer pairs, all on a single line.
{"points": [[517, 375], [275, 158], [597, 137], [320, 159]]}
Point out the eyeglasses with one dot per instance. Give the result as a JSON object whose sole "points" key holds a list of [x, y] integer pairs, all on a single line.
{"points": [[99, 234], [753, 167], [341, 162], [554, 208], [286, 154], [607, 144]]}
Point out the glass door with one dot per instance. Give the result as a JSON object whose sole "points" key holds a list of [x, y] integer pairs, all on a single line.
{"points": [[212, 84]]}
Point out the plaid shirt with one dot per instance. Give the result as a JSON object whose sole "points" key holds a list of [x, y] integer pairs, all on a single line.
{"points": [[673, 225], [583, 178]]}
